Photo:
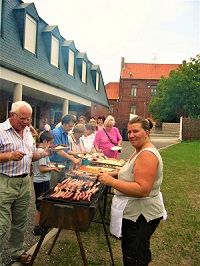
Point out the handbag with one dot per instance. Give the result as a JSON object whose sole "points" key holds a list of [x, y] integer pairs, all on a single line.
{"points": [[110, 139]]}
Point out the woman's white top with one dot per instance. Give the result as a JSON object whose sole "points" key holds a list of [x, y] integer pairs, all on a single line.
{"points": [[150, 207]]}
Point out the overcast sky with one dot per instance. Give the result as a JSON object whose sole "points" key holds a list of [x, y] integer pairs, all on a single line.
{"points": [[142, 31]]}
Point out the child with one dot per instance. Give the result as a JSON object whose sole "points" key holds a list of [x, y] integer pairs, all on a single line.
{"points": [[41, 176]]}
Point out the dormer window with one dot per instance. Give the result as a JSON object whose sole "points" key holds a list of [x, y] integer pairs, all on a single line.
{"points": [[82, 65], [71, 63], [95, 71], [30, 34], [1, 14], [54, 51], [84, 68], [97, 81]]}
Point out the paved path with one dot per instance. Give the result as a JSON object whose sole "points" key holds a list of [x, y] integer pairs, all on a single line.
{"points": [[159, 140]]}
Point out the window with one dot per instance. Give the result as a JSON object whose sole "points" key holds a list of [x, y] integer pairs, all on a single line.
{"points": [[84, 71], [153, 90], [1, 15], [111, 109], [54, 51], [133, 90], [97, 81], [30, 34], [71, 63], [133, 109]]}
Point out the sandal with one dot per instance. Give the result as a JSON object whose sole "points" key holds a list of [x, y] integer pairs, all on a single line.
{"points": [[24, 258]]}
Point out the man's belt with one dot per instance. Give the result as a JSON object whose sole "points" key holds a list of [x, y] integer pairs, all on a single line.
{"points": [[24, 175], [16, 176]]}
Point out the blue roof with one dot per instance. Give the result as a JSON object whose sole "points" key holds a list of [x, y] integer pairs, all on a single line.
{"points": [[15, 57]]}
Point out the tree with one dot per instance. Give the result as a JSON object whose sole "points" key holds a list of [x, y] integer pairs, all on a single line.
{"points": [[179, 94]]}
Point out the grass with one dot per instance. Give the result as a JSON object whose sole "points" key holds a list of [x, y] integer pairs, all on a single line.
{"points": [[175, 242]]}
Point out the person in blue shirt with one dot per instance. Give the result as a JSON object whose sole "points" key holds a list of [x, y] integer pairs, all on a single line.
{"points": [[62, 157]]}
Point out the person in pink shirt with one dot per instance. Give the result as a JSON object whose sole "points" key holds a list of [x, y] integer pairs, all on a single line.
{"points": [[108, 137]]}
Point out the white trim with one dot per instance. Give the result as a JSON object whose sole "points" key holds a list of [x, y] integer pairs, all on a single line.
{"points": [[84, 71], [54, 51], [30, 34], [71, 63], [97, 81], [14, 77]]}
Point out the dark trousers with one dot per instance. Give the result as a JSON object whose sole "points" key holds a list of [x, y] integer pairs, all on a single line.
{"points": [[136, 241]]}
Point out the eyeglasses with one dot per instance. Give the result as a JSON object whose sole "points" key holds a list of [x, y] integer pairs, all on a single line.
{"points": [[23, 118]]}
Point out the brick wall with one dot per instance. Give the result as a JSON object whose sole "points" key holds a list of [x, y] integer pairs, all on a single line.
{"points": [[191, 129], [170, 127]]}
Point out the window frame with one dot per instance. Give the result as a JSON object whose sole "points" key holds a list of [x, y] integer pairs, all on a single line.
{"points": [[1, 17], [133, 90], [30, 34], [153, 90], [55, 51], [133, 109], [111, 109], [97, 81], [84, 72], [71, 62]]}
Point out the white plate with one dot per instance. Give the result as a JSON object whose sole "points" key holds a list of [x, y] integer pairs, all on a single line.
{"points": [[59, 148], [116, 148], [61, 166]]}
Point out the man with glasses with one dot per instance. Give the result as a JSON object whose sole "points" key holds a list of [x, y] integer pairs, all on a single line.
{"points": [[17, 151]]}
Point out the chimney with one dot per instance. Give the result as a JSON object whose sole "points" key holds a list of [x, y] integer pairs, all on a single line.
{"points": [[123, 63]]}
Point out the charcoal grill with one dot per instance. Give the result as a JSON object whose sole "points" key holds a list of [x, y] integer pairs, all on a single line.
{"points": [[71, 215]]}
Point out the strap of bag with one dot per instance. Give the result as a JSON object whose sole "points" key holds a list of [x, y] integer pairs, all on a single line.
{"points": [[109, 137]]}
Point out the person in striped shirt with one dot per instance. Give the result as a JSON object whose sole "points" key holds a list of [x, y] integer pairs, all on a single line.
{"points": [[17, 151]]}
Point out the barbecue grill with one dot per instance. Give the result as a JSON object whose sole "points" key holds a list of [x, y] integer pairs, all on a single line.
{"points": [[71, 215]]}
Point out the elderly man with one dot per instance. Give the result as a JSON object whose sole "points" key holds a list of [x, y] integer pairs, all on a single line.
{"points": [[17, 151]]}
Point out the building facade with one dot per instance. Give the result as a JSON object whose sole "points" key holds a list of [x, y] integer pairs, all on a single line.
{"points": [[136, 87], [40, 66]]}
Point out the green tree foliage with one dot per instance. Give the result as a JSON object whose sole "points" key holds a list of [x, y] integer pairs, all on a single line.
{"points": [[178, 95]]}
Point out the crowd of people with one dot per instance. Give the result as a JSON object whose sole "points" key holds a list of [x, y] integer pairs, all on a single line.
{"points": [[24, 151]]}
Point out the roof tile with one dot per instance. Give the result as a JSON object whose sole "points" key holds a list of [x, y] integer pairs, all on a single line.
{"points": [[146, 71], [112, 90]]}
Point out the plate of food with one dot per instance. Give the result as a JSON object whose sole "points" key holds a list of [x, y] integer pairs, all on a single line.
{"points": [[116, 148], [84, 155], [59, 147]]}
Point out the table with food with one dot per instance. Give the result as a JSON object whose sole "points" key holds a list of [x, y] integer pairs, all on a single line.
{"points": [[72, 204]]}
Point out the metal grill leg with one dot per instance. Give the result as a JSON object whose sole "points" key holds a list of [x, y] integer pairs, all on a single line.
{"points": [[107, 238], [54, 241], [85, 262], [38, 245], [105, 201]]}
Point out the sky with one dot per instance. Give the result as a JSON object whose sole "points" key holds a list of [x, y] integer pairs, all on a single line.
{"points": [[141, 31]]}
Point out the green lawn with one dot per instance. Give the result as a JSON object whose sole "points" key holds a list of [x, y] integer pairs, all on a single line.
{"points": [[176, 241]]}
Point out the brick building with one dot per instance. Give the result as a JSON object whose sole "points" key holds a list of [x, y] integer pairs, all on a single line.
{"points": [[132, 94]]}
